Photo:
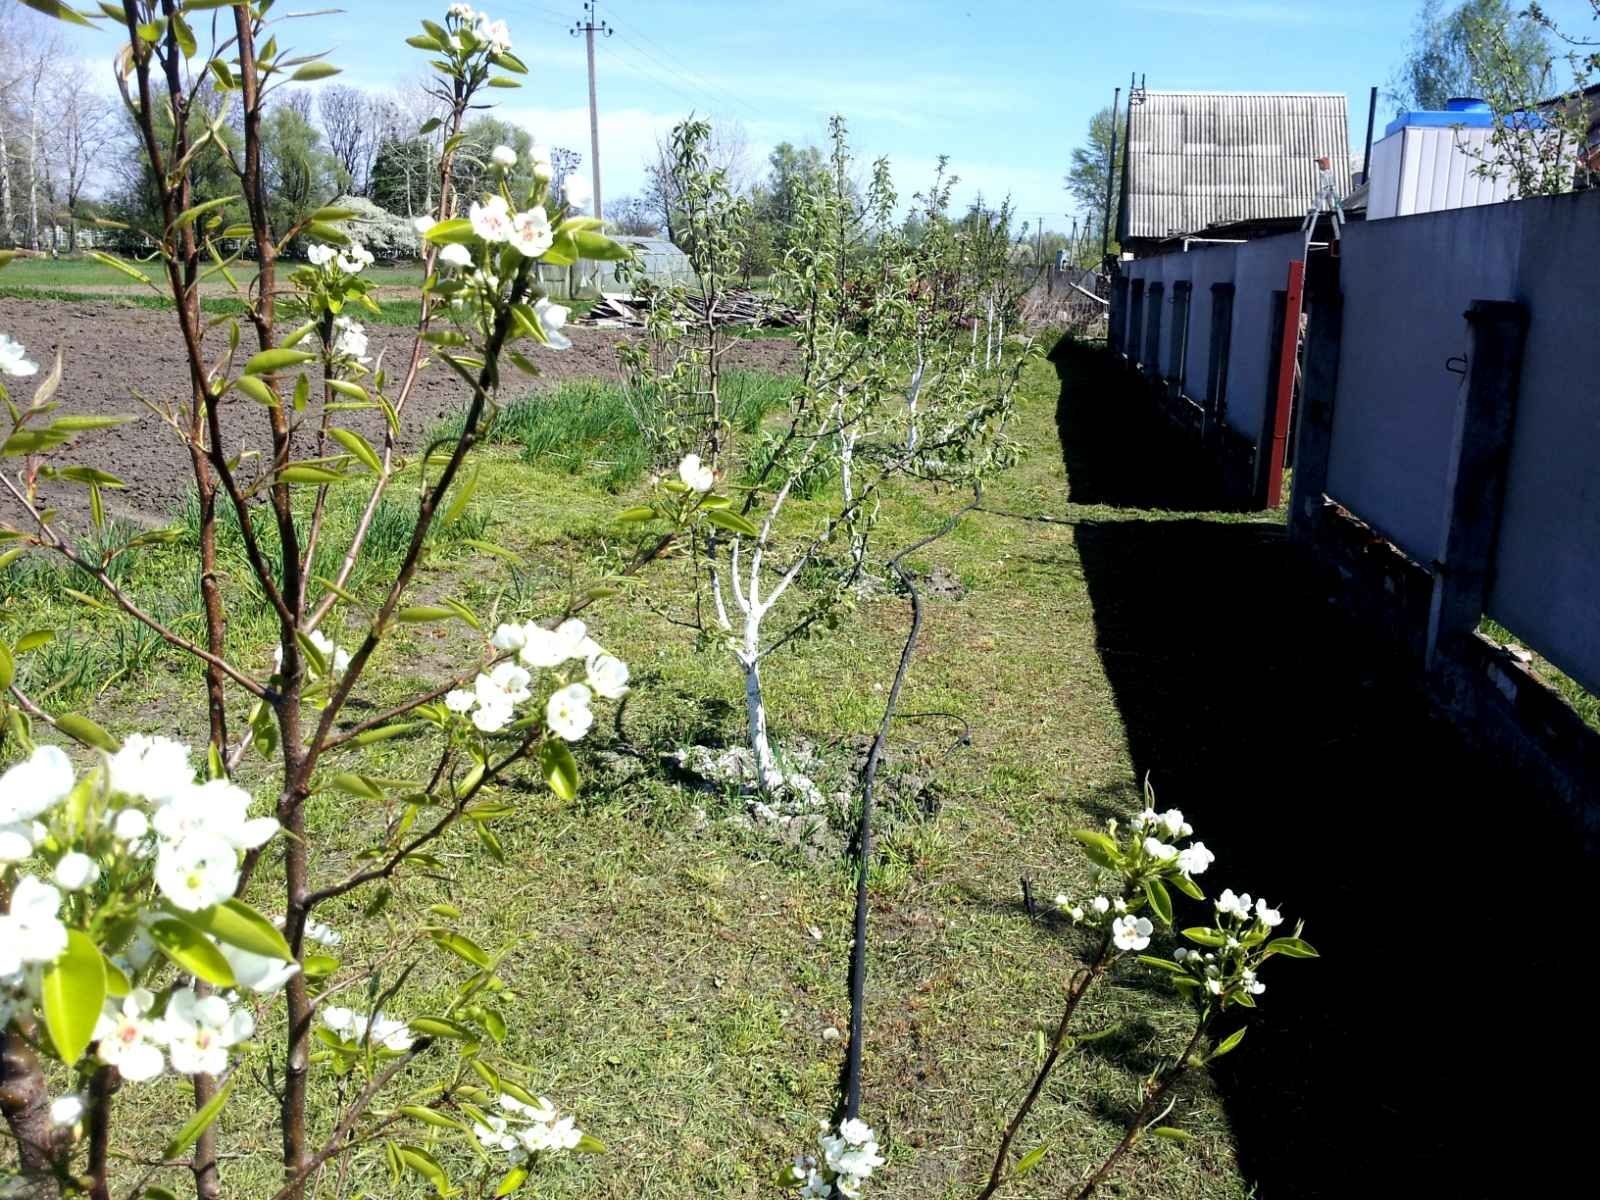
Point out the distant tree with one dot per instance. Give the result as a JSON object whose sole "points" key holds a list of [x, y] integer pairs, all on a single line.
{"points": [[1086, 179], [727, 151], [301, 174], [346, 114], [85, 125], [792, 172], [631, 215], [135, 199], [1439, 64]]}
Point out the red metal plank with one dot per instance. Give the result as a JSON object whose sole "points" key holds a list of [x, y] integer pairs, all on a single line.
{"points": [[1288, 353]]}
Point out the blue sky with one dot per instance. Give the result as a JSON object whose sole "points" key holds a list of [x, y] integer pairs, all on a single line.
{"points": [[1006, 89]]}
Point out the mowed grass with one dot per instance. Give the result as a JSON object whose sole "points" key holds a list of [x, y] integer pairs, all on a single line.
{"points": [[674, 972]]}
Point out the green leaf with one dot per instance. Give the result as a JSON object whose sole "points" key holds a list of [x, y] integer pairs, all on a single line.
{"points": [[357, 785], [256, 389], [118, 265], [188, 948], [384, 732], [1291, 947], [33, 640], [84, 423], [1160, 899], [1186, 885], [200, 1122], [439, 1027], [429, 1116], [73, 989], [117, 984], [422, 42], [354, 390], [463, 496], [559, 767], [1171, 1134], [458, 229], [333, 213], [427, 1166], [640, 512], [268, 361], [509, 61], [504, 81], [313, 71], [588, 1144], [462, 947], [599, 248], [511, 1181], [1202, 936], [327, 233], [189, 215], [237, 924], [420, 613], [61, 12], [1228, 1043], [731, 521], [358, 446], [306, 473], [1161, 964], [8, 667], [81, 729], [1031, 1159]]}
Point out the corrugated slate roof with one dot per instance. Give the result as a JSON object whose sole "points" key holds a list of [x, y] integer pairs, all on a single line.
{"points": [[1199, 159]]}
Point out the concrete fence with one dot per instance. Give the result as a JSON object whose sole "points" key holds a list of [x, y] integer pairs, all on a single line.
{"points": [[1447, 438]]}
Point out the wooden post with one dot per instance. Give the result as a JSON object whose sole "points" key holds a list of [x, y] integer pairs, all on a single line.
{"points": [[1475, 484], [1283, 400]]}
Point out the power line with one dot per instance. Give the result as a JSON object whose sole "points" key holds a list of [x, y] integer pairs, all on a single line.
{"points": [[677, 66]]}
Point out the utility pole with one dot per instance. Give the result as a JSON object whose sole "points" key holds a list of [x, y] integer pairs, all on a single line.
{"points": [[589, 28], [1111, 176]]}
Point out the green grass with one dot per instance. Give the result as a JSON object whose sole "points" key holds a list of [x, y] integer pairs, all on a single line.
{"points": [[597, 426], [1584, 702], [666, 984]]}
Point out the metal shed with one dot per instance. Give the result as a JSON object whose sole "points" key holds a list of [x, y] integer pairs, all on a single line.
{"points": [[1198, 160], [663, 262]]}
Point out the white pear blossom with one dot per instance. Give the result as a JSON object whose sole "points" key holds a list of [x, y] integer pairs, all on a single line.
{"points": [[1159, 850], [75, 871], [35, 785], [531, 233], [1173, 824], [1231, 905], [258, 973], [608, 676], [492, 718], [323, 934], [506, 684], [31, 932], [14, 360], [504, 156], [1131, 932], [1270, 917], [354, 259], [129, 825], [456, 255], [567, 712], [543, 648], [16, 841], [509, 637], [127, 1039], [380, 1030], [350, 341], [575, 640], [491, 220], [695, 476], [552, 319], [1100, 905], [1194, 858], [462, 12], [496, 33], [156, 768], [200, 1029], [66, 1111], [422, 225], [459, 700], [320, 255], [198, 872], [218, 808], [1250, 983]]}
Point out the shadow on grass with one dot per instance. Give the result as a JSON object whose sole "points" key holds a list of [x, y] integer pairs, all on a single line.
{"points": [[1426, 1052], [1119, 451]]}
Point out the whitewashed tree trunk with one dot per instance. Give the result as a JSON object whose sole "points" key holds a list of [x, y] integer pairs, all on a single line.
{"points": [[8, 217], [911, 401]]}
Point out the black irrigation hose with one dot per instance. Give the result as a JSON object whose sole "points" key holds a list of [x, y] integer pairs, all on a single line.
{"points": [[869, 775]]}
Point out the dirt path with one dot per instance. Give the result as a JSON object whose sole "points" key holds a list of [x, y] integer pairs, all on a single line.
{"points": [[116, 353]]}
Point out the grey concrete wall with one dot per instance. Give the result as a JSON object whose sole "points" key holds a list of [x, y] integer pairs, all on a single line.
{"points": [[1260, 268], [1407, 283], [1206, 265], [1546, 575]]}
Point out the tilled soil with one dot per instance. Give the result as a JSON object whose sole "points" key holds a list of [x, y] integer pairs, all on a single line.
{"points": [[115, 354]]}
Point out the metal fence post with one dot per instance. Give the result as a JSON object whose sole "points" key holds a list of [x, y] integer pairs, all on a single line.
{"points": [[1475, 484]]}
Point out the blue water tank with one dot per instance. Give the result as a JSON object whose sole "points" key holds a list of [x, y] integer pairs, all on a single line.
{"points": [[1465, 111]]}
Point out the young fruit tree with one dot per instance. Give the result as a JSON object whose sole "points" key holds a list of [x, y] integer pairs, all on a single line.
{"points": [[159, 926]]}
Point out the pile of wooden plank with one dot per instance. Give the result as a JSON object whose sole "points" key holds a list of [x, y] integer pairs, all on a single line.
{"points": [[738, 306]]}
